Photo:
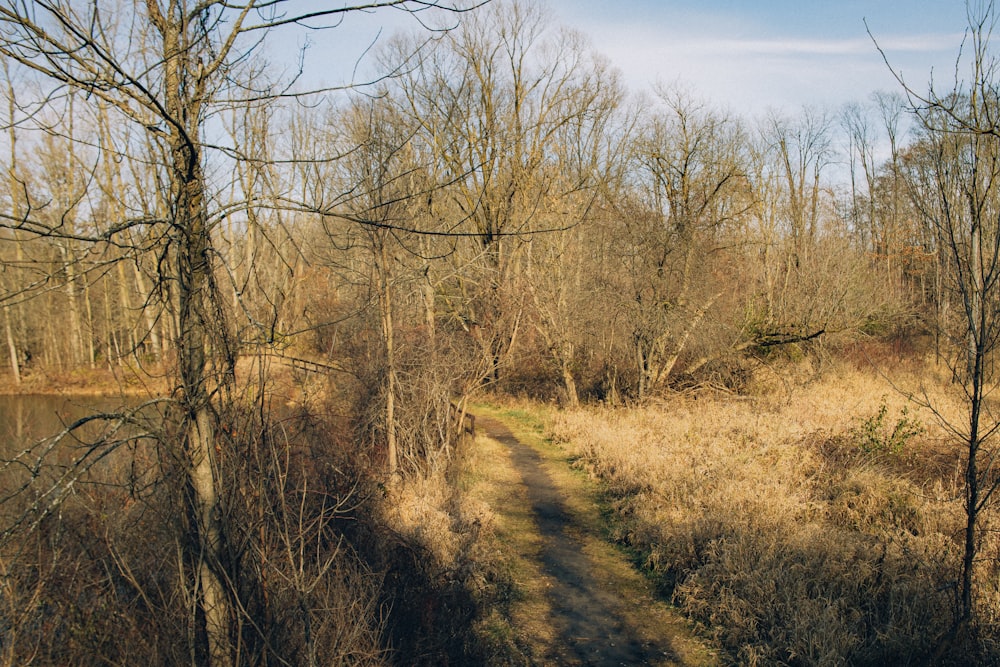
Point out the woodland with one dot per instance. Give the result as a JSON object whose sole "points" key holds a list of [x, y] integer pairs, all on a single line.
{"points": [[302, 292]]}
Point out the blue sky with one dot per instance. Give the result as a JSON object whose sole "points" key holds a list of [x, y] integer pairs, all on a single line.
{"points": [[746, 56], [753, 55]]}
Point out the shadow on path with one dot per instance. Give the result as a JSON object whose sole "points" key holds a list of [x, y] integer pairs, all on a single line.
{"points": [[587, 616]]}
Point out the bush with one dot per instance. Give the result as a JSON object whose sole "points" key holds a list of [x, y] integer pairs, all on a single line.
{"points": [[877, 437], [105, 578]]}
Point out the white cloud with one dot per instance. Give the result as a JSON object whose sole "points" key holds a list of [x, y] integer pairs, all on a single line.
{"points": [[751, 74], [821, 47], [929, 43]]}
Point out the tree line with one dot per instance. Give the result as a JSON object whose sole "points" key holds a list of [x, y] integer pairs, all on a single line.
{"points": [[503, 195]]}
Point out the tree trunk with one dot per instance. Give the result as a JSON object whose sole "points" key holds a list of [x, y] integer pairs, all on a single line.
{"points": [[429, 311], [976, 351], [193, 344], [572, 398], [88, 309], [197, 343], [150, 328], [214, 602], [124, 324], [75, 327], [15, 365], [385, 303], [111, 343]]}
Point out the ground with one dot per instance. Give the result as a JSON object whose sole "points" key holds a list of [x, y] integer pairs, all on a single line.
{"points": [[579, 600]]}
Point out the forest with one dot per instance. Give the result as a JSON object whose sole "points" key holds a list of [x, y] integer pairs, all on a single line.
{"points": [[302, 295]]}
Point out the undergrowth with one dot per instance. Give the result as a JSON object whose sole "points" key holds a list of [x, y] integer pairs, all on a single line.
{"points": [[790, 531], [445, 588], [328, 565]]}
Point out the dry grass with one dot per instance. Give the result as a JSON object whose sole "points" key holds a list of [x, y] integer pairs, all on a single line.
{"points": [[428, 510], [447, 584], [768, 524]]}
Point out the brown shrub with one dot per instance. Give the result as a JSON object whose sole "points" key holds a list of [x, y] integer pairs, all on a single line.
{"points": [[442, 580], [104, 578]]}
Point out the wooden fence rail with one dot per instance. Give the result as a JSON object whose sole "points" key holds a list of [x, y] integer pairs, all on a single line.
{"points": [[465, 422]]}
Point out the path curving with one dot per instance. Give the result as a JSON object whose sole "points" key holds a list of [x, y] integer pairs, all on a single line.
{"points": [[583, 603]]}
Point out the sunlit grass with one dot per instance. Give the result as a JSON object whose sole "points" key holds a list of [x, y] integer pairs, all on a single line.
{"points": [[773, 526]]}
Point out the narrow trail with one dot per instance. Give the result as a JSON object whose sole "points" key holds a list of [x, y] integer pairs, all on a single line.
{"points": [[583, 603]]}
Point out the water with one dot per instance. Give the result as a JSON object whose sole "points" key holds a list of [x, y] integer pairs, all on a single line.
{"points": [[25, 420], [45, 449]]}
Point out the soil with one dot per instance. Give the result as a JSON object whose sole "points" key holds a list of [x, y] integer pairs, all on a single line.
{"points": [[583, 603]]}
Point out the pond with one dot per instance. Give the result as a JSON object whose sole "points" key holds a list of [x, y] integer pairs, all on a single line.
{"points": [[30, 418], [101, 451]]}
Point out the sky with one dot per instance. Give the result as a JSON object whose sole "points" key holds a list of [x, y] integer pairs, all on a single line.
{"points": [[753, 55], [747, 56]]}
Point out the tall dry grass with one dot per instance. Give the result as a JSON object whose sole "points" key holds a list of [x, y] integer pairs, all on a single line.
{"points": [[778, 526], [446, 584]]}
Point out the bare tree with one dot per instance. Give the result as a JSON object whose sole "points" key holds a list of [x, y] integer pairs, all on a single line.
{"points": [[954, 178], [14, 192], [493, 101], [804, 149], [166, 71], [691, 167], [383, 179], [588, 152]]}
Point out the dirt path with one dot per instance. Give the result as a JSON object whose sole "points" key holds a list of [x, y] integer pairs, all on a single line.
{"points": [[581, 602]]}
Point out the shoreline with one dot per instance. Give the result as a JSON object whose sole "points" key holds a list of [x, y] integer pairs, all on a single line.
{"points": [[153, 382], [85, 382]]}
